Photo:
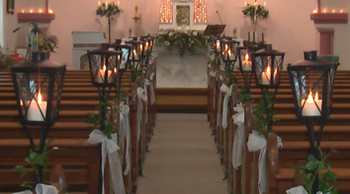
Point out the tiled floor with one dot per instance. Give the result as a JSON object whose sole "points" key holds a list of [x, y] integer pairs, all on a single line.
{"points": [[183, 159]]}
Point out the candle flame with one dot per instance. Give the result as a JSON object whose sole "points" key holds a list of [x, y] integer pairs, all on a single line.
{"points": [[268, 70], [31, 11], [40, 98], [40, 10], [314, 11], [310, 98], [141, 47], [246, 57], [333, 10], [115, 70], [341, 11], [51, 11], [229, 53], [21, 102], [135, 53], [23, 11], [104, 68], [316, 97]]}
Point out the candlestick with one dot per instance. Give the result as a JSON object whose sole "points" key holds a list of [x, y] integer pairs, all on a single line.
{"points": [[34, 113], [254, 36], [262, 37], [310, 107], [248, 36], [102, 75], [247, 65]]}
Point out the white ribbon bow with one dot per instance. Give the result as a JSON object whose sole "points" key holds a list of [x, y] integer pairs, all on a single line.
{"points": [[228, 93], [125, 133], [257, 142], [209, 65], [221, 78], [141, 96], [110, 147], [212, 73], [148, 83], [238, 140], [41, 189], [297, 190]]}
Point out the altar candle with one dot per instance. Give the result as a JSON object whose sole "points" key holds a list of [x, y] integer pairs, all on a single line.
{"points": [[34, 113], [40, 10], [118, 3], [31, 11], [23, 11], [310, 108], [102, 74], [248, 36], [99, 4], [135, 54], [247, 65], [50, 11], [229, 53], [341, 11], [107, 4]]}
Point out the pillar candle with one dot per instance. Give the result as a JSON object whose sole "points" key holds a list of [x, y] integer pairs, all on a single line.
{"points": [[34, 113], [247, 65], [310, 108], [102, 74]]}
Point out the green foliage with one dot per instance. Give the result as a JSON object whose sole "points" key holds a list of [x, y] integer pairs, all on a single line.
{"points": [[97, 120], [244, 95], [188, 41], [255, 11], [320, 167], [35, 162], [109, 10], [261, 114]]}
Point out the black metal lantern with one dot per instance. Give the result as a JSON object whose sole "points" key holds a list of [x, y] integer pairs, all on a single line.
{"points": [[38, 88], [137, 53], [244, 54], [149, 42], [229, 49], [104, 67], [267, 67], [312, 83]]}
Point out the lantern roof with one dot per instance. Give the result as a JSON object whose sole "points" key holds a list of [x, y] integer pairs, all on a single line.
{"points": [[310, 62], [268, 50], [42, 66]]}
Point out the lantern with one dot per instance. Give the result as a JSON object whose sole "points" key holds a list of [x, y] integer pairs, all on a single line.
{"points": [[229, 49], [137, 53], [312, 83], [244, 54], [149, 41], [38, 88], [267, 67], [104, 67]]}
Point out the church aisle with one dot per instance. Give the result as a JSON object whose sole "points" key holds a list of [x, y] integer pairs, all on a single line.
{"points": [[183, 159]]}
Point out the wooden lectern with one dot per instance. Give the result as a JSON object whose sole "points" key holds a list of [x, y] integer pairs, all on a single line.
{"points": [[214, 30]]}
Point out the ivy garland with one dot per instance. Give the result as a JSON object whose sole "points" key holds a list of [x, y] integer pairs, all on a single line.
{"points": [[108, 10]]}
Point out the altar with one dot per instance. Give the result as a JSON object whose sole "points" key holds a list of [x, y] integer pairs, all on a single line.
{"points": [[174, 71]]}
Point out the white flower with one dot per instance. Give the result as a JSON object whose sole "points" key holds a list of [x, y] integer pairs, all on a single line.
{"points": [[195, 33], [166, 43], [171, 33]]}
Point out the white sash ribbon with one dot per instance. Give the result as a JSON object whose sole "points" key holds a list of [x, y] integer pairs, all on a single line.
{"points": [[209, 65], [110, 147], [153, 97], [41, 189], [238, 140], [297, 190], [125, 133], [141, 96], [228, 93], [257, 142]]}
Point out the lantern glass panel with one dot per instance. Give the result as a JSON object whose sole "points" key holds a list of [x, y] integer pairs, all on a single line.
{"points": [[229, 50], [104, 67], [38, 94]]}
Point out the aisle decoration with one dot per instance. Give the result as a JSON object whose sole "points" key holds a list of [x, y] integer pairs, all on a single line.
{"points": [[47, 42], [109, 10], [312, 83], [38, 87], [184, 41]]}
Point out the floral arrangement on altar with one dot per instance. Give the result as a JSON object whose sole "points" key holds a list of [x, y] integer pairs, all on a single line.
{"points": [[255, 11], [184, 41], [47, 42], [107, 9]]}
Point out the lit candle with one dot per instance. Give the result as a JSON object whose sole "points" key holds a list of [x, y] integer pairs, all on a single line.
{"points": [[247, 65], [118, 3], [34, 113], [245, 3], [23, 11], [40, 10], [50, 11], [102, 74], [333, 11], [99, 4], [107, 4], [266, 76], [310, 108], [265, 4], [325, 10], [218, 47], [146, 46], [341, 11], [135, 54], [30, 11], [314, 11]]}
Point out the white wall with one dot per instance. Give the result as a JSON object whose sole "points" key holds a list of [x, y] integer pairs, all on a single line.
{"points": [[289, 26]]}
